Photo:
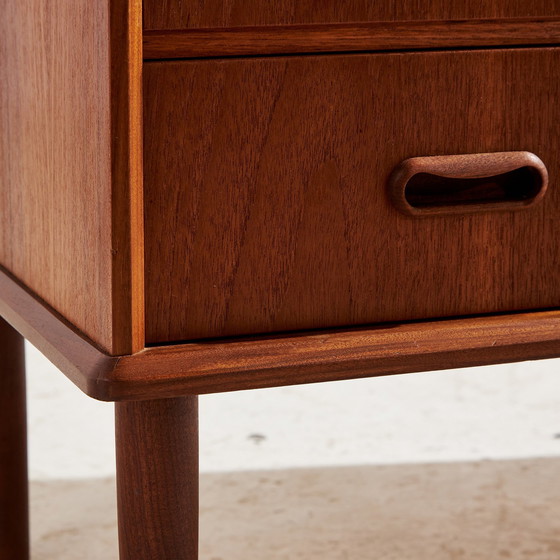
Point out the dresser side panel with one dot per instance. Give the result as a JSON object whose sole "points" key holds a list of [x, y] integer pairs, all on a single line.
{"points": [[56, 231]]}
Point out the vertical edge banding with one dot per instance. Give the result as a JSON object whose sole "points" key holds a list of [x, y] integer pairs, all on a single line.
{"points": [[126, 167]]}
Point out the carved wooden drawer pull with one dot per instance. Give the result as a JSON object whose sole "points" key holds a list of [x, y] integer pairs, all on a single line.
{"points": [[468, 183]]}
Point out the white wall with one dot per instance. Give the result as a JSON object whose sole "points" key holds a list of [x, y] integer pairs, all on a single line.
{"points": [[510, 411]]}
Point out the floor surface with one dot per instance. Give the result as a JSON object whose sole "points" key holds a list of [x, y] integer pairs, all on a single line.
{"points": [[490, 510], [452, 465]]}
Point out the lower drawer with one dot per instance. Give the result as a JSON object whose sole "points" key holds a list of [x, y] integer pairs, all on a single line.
{"points": [[267, 190]]}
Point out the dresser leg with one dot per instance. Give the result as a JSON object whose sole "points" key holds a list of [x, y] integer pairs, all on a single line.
{"points": [[157, 479], [14, 508]]}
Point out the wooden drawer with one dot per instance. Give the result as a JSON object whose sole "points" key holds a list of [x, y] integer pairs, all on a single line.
{"points": [[185, 14], [266, 190]]}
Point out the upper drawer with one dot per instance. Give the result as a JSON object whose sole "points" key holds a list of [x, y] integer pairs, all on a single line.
{"points": [[266, 190], [188, 14]]}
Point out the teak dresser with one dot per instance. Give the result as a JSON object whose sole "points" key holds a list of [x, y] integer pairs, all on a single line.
{"points": [[213, 195]]}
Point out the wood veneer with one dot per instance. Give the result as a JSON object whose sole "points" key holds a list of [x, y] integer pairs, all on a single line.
{"points": [[266, 190], [127, 207], [216, 366], [70, 161], [381, 36], [267, 209], [185, 14]]}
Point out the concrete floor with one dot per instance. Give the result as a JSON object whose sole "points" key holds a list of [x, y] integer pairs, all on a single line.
{"points": [[487, 510], [460, 464]]}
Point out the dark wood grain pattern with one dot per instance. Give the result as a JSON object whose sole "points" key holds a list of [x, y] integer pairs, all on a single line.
{"points": [[70, 163], [185, 14], [266, 190], [381, 36], [14, 516], [210, 367], [157, 479]]}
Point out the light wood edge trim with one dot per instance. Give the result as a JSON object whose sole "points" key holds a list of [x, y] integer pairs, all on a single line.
{"points": [[127, 192], [219, 366], [383, 36]]}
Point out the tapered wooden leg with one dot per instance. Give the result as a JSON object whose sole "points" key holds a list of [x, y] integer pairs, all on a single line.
{"points": [[14, 510], [157, 479]]}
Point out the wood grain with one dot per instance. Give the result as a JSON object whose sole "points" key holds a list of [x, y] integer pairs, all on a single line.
{"points": [[266, 190], [77, 357], [70, 190], [216, 366], [219, 366], [184, 14], [468, 183], [380, 36], [127, 205], [14, 508], [157, 479]]}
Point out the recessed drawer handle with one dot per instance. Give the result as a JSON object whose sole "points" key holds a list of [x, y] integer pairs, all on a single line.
{"points": [[468, 183]]}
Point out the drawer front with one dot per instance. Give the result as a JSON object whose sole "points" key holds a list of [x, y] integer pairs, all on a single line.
{"points": [[266, 190], [186, 14]]}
